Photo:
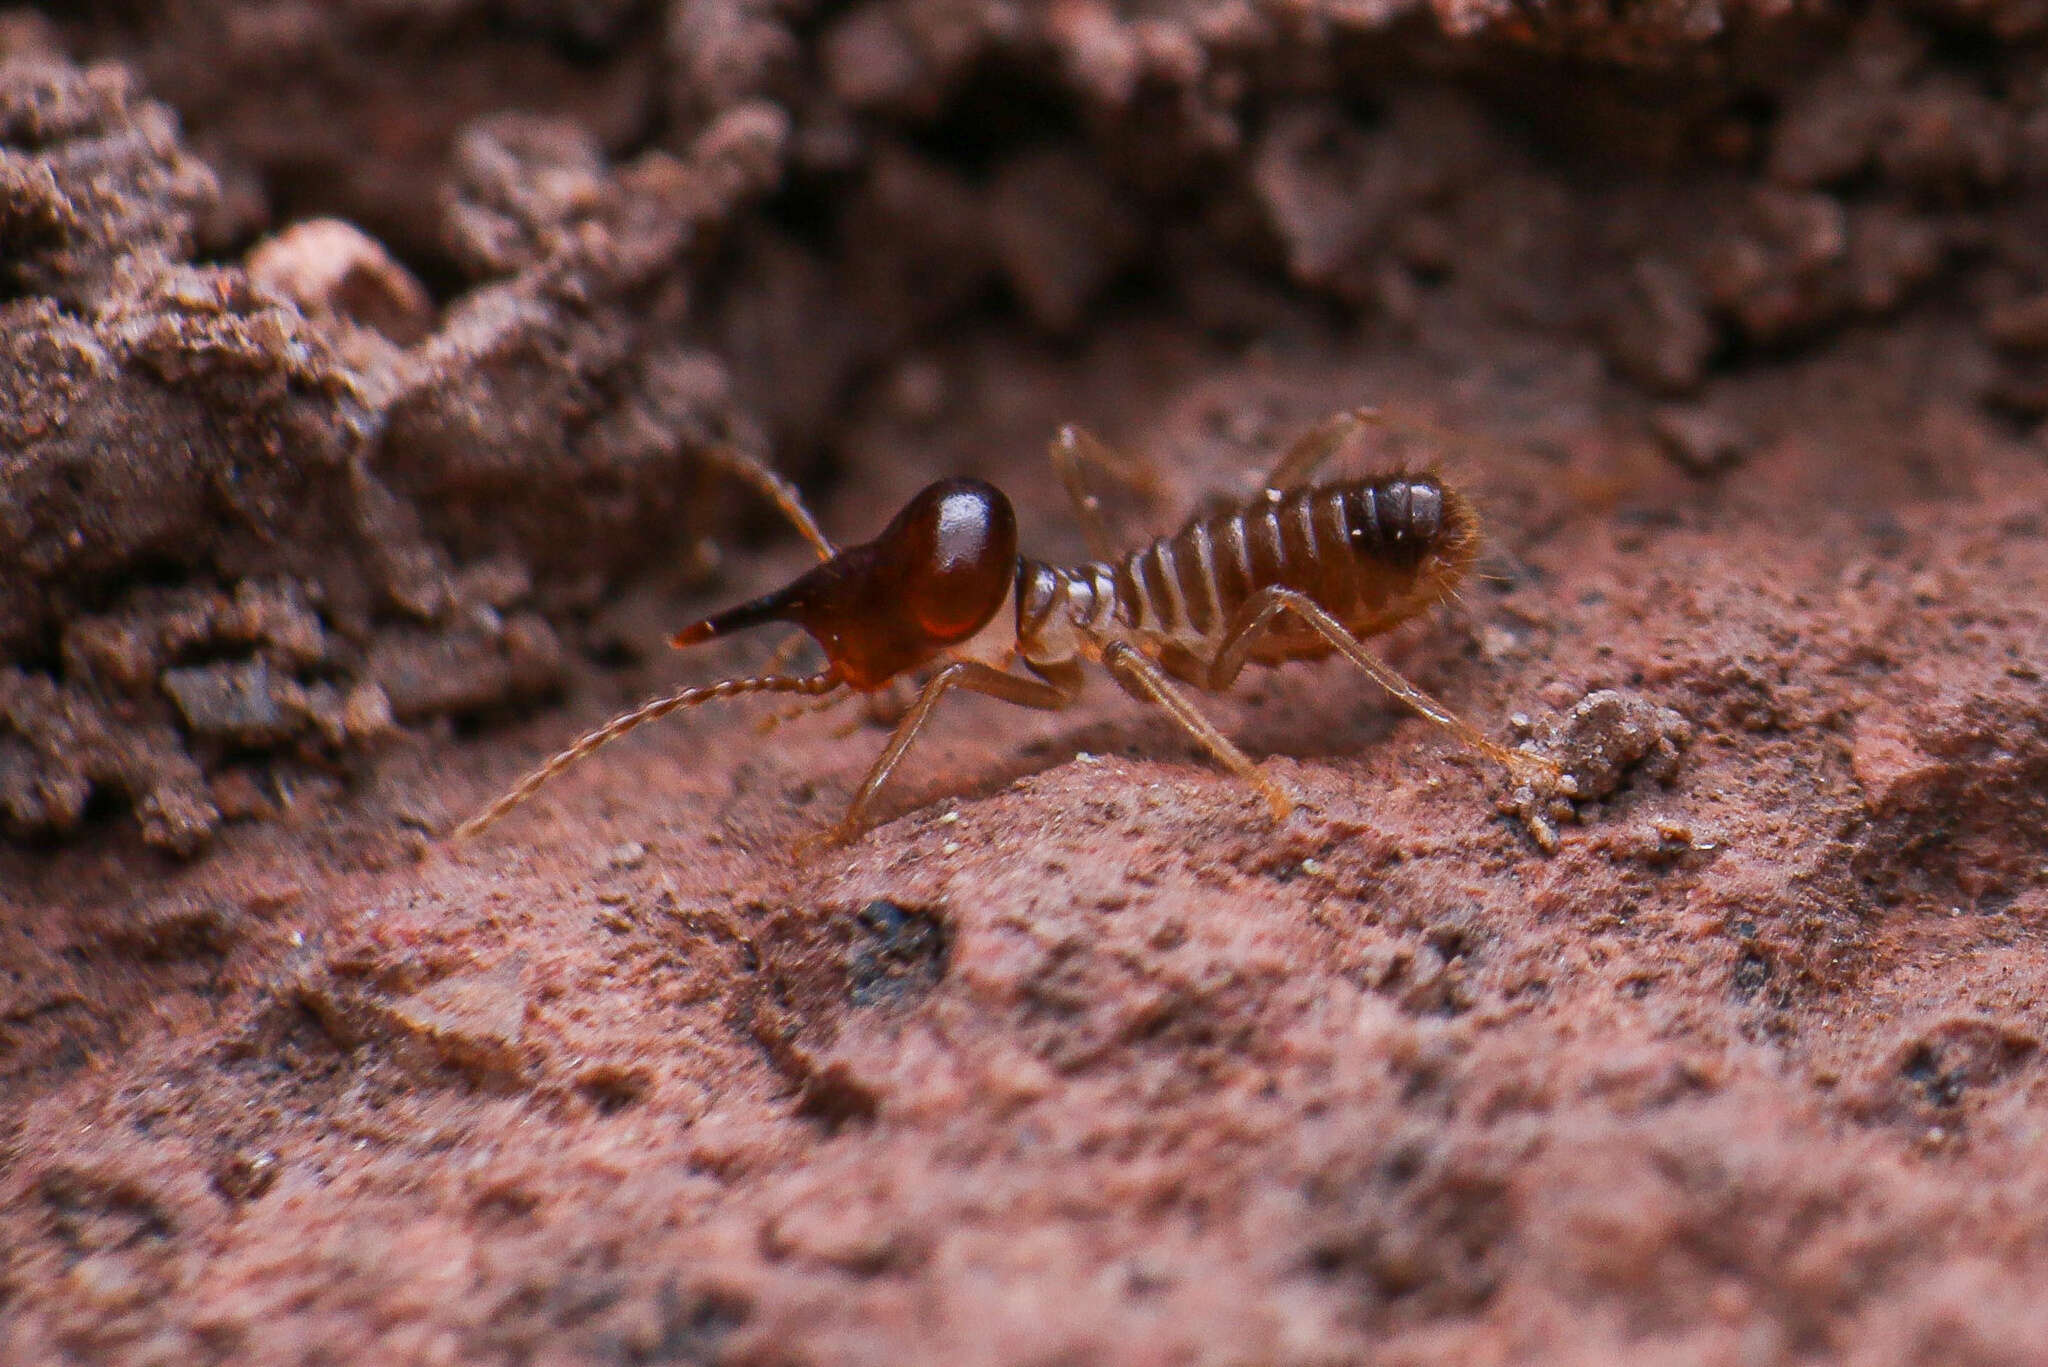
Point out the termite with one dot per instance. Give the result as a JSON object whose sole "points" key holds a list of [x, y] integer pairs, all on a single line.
{"points": [[1301, 571]]}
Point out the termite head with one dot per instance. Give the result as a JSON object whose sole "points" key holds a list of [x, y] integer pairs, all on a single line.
{"points": [[937, 574]]}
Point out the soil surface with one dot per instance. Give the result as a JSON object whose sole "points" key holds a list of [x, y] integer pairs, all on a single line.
{"points": [[363, 365]]}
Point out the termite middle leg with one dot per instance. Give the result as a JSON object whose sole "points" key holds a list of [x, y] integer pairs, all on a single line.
{"points": [[1147, 682], [969, 674], [1076, 446], [1265, 607]]}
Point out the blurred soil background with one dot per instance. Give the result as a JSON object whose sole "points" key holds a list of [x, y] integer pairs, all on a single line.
{"points": [[359, 362]]}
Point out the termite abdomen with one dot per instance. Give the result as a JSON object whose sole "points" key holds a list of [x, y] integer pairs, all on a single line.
{"points": [[1399, 520]]}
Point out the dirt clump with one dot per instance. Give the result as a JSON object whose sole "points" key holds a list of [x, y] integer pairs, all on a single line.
{"points": [[266, 511], [1606, 737]]}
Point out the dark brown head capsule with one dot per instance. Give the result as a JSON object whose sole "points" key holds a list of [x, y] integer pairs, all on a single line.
{"points": [[937, 574]]}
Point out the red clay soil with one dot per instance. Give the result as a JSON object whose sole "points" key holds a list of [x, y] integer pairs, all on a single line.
{"points": [[360, 363]]}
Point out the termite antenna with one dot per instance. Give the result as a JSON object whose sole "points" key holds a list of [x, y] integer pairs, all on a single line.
{"points": [[776, 490], [654, 710]]}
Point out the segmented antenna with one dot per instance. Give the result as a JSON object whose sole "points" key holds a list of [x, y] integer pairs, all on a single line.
{"points": [[815, 684], [776, 489]]}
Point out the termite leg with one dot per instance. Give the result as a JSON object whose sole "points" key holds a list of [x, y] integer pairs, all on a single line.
{"points": [[969, 674], [701, 552], [776, 490], [809, 707], [1265, 607], [1317, 445], [1146, 682], [782, 657], [1072, 447]]}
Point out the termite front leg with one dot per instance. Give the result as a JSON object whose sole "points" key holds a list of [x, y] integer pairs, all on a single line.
{"points": [[969, 674], [1147, 682], [1265, 607]]}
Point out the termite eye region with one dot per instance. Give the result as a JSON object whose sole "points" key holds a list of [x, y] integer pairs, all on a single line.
{"points": [[954, 549]]}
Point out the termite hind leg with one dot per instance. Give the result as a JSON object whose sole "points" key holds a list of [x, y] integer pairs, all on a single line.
{"points": [[969, 674], [776, 490], [1265, 607], [1147, 682], [1075, 447], [1302, 459]]}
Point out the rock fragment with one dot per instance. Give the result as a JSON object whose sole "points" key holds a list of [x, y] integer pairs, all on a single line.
{"points": [[1700, 440], [245, 705], [472, 1022], [1606, 739], [332, 269]]}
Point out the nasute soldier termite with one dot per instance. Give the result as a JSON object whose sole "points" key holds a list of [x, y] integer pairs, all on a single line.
{"points": [[1301, 571]]}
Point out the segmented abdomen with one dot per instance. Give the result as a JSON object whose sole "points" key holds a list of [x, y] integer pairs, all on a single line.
{"points": [[1364, 550]]}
